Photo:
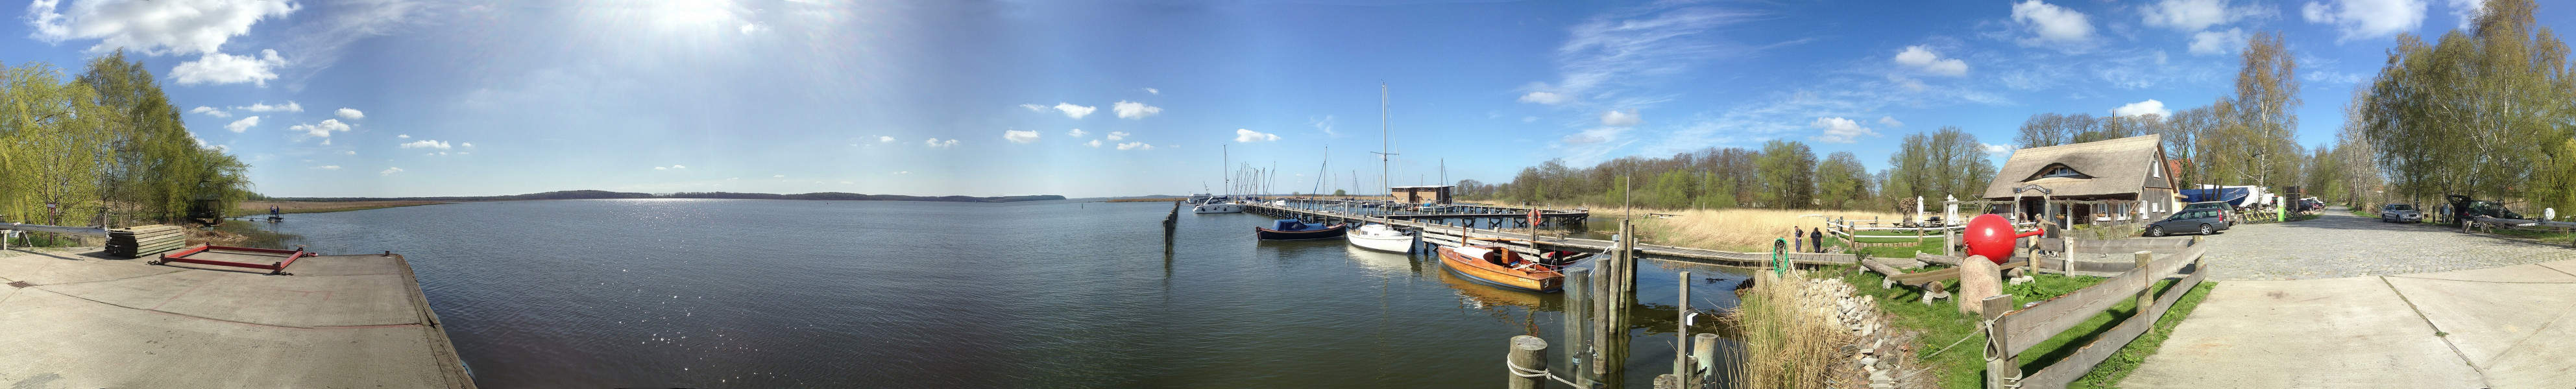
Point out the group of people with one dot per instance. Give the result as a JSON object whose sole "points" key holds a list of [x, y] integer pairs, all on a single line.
{"points": [[1802, 239]]}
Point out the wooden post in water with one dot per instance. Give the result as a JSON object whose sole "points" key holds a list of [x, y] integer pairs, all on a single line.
{"points": [[1704, 347], [1578, 320], [1529, 353], [1681, 335]]}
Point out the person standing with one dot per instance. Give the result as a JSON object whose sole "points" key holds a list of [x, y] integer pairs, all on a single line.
{"points": [[1817, 236], [1797, 238]]}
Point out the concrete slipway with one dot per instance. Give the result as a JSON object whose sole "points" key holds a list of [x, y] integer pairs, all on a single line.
{"points": [[82, 319]]}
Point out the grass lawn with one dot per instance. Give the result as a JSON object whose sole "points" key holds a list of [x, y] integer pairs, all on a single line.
{"points": [[1961, 366]]}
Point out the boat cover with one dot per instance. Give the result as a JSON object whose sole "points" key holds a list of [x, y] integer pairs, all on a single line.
{"points": [[1471, 252], [1289, 225]]}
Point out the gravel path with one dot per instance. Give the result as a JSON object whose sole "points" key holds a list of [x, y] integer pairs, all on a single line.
{"points": [[2340, 244]]}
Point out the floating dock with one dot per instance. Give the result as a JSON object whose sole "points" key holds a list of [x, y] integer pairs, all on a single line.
{"points": [[82, 318], [1452, 227]]}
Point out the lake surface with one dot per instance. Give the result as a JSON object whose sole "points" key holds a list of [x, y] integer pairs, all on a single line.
{"points": [[782, 293]]}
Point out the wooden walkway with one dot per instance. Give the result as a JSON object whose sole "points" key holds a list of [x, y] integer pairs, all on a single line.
{"points": [[1452, 234]]}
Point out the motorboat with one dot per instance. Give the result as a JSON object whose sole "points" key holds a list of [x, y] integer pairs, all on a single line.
{"points": [[1292, 229], [1217, 208], [1498, 265], [1381, 237]]}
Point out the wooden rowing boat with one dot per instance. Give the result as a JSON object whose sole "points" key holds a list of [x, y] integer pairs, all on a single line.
{"points": [[1291, 229], [1500, 266]]}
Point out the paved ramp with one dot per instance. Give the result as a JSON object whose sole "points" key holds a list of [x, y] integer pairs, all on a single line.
{"points": [[81, 319], [2506, 322]]}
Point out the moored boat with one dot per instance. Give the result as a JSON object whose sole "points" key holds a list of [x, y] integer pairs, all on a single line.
{"points": [[1217, 208], [1291, 229], [1381, 237], [1500, 266]]}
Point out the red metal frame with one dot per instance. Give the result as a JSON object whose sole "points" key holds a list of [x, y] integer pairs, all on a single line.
{"points": [[274, 268]]}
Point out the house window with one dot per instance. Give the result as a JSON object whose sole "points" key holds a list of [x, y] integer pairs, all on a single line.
{"points": [[2158, 170], [2061, 171]]}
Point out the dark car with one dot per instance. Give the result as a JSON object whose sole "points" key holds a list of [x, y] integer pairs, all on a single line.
{"points": [[2203, 221], [2224, 211]]}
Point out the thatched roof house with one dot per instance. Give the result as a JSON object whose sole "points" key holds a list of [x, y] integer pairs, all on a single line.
{"points": [[2131, 174]]}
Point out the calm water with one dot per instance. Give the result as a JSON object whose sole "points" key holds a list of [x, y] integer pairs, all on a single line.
{"points": [[769, 293]]}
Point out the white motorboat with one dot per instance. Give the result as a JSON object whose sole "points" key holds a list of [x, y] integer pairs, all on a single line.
{"points": [[1217, 208], [1380, 237]]}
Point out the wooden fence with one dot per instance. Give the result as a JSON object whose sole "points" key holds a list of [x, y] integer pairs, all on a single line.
{"points": [[2009, 332]]}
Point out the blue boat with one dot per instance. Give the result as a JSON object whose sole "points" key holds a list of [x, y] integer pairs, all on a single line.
{"points": [[2234, 196], [1291, 229]]}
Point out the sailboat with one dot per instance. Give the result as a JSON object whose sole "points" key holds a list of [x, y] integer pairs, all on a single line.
{"points": [[1381, 237], [1220, 204]]}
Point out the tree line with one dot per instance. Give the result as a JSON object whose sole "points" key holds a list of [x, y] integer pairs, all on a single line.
{"points": [[2489, 113], [1781, 174], [76, 148]]}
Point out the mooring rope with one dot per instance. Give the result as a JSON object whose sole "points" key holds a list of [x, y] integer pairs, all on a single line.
{"points": [[1963, 339], [1524, 372]]}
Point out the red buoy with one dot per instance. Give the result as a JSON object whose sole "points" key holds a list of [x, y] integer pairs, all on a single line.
{"points": [[1991, 236]]}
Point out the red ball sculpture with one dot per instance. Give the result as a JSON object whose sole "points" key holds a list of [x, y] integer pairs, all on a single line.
{"points": [[1991, 236]]}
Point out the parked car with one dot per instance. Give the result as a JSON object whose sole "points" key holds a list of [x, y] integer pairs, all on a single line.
{"points": [[2312, 205], [2204, 221], [2226, 212], [2400, 213]]}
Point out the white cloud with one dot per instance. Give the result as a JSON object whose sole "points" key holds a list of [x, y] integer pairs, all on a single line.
{"points": [[402, 136], [679, 167], [1594, 136], [1528, 119], [1890, 121], [2149, 107], [1923, 59], [469, 144], [1033, 107], [211, 111], [1840, 130], [661, 168], [290, 106], [328, 167], [903, 172], [351, 114], [2053, 25], [1324, 124], [1135, 146], [220, 68], [158, 27], [752, 28], [1129, 110], [939, 144], [244, 124], [1077, 133], [390, 171], [1544, 98], [1016, 136], [350, 152], [1074, 111], [1998, 149], [426, 144], [320, 130], [1117, 135], [2362, 19], [777, 176], [2195, 15], [1092, 143], [885, 139], [2218, 42], [1249, 136], [1153, 91], [1614, 118], [2468, 11]]}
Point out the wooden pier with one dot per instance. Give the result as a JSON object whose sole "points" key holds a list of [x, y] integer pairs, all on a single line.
{"points": [[1477, 223]]}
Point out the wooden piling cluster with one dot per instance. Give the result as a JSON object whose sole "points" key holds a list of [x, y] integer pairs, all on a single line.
{"points": [[136, 242]]}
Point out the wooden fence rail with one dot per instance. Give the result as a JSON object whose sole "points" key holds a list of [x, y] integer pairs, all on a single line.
{"points": [[2009, 332]]}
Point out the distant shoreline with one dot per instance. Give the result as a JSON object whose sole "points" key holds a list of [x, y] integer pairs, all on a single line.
{"points": [[600, 194]]}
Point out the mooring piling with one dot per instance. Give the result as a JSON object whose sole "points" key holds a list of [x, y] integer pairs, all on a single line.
{"points": [[1528, 361]]}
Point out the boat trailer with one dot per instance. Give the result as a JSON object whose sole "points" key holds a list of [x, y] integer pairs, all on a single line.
{"points": [[215, 255]]}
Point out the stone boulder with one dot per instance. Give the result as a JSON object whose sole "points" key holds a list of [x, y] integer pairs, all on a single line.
{"points": [[1978, 279]]}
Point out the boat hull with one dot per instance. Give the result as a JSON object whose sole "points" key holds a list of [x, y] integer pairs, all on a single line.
{"points": [[1217, 208], [1486, 272], [1327, 233], [1392, 244]]}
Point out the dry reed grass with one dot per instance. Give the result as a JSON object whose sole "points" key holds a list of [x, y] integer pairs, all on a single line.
{"points": [[1789, 337], [1736, 229]]}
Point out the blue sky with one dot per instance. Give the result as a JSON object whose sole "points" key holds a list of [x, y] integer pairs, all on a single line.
{"points": [[982, 98]]}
